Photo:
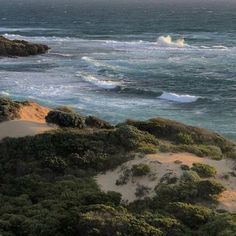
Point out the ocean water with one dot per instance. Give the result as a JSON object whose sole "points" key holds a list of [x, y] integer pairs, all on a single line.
{"points": [[121, 59]]}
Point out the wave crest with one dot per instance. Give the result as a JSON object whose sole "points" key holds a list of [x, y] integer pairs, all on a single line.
{"points": [[4, 93], [174, 97], [99, 82], [169, 42]]}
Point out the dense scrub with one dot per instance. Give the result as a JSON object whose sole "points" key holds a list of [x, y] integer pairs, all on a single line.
{"points": [[204, 170], [9, 109], [187, 138], [48, 187], [20, 48]]}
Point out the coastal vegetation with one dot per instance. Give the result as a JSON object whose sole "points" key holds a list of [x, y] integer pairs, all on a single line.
{"points": [[48, 185], [9, 109]]}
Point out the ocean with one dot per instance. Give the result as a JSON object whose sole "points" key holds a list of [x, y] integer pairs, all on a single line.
{"points": [[127, 59]]}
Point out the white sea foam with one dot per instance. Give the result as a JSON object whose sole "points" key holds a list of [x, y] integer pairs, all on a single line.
{"points": [[100, 82], [184, 98], [24, 29], [4, 93], [167, 41], [98, 63], [62, 54], [162, 42]]}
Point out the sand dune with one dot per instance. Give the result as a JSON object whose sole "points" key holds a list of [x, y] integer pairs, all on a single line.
{"points": [[21, 128], [33, 112], [31, 122], [162, 163]]}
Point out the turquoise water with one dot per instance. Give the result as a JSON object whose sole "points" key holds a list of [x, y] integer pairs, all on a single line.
{"points": [[127, 59]]}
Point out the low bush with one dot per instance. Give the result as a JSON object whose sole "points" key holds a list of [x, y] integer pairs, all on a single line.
{"points": [[191, 215], [140, 170], [170, 225], [220, 225], [171, 130], [9, 109], [131, 137], [106, 221], [190, 176], [182, 138], [204, 170], [142, 191], [208, 189]]}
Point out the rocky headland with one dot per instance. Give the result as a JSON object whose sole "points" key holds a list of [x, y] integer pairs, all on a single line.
{"points": [[20, 48], [88, 177]]}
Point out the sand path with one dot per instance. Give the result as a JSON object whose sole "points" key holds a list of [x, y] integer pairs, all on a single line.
{"points": [[162, 163], [21, 128], [31, 122]]}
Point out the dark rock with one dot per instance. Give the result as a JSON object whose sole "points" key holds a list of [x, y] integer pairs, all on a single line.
{"points": [[185, 167], [20, 48], [66, 119], [94, 122]]}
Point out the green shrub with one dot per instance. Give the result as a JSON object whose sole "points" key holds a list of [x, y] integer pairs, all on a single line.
{"points": [[220, 225], [9, 109], [140, 169], [183, 138], [168, 224], [190, 176], [168, 129], [55, 163], [209, 188], [165, 148], [132, 138], [106, 221], [191, 215], [204, 170], [148, 149]]}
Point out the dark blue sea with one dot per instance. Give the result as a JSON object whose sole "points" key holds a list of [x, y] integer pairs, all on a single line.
{"points": [[127, 59]]}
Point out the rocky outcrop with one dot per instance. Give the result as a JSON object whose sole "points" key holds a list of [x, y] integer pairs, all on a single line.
{"points": [[68, 118], [95, 122], [20, 48], [30, 111]]}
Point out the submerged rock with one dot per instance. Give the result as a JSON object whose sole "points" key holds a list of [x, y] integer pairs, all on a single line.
{"points": [[20, 48]]}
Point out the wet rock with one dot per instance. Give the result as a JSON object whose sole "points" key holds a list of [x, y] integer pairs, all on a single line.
{"points": [[20, 48]]}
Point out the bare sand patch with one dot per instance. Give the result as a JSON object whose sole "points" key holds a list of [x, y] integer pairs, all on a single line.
{"points": [[162, 164], [33, 112], [21, 128]]}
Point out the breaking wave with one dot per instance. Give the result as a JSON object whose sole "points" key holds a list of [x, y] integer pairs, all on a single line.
{"points": [[167, 41], [174, 97], [4, 93], [100, 82]]}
